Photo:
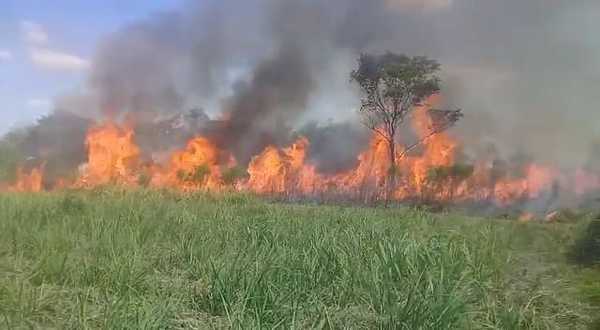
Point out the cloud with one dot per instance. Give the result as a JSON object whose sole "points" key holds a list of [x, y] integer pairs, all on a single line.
{"points": [[34, 33], [38, 103], [36, 38], [57, 60], [5, 55]]}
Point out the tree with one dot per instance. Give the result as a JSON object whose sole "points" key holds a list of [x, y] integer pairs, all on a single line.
{"points": [[10, 156], [445, 180], [393, 85]]}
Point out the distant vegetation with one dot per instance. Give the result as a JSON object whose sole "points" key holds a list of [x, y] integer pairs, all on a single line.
{"points": [[56, 141], [10, 156], [110, 259], [586, 250]]}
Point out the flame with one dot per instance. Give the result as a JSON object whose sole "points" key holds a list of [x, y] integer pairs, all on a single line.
{"points": [[438, 150], [282, 171], [537, 180], [585, 182], [526, 217], [196, 167], [29, 182], [113, 157], [370, 175]]}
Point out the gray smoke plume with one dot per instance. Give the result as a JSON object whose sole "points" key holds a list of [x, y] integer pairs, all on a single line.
{"points": [[525, 72], [334, 146], [259, 112]]}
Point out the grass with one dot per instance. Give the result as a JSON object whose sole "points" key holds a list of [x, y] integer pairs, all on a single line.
{"points": [[111, 259]]}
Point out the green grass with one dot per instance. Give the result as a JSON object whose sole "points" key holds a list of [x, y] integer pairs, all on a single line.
{"points": [[110, 259]]}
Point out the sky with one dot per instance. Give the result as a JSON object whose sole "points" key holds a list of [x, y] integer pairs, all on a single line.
{"points": [[46, 48]]}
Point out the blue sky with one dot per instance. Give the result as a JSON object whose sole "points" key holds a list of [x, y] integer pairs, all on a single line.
{"points": [[46, 46]]}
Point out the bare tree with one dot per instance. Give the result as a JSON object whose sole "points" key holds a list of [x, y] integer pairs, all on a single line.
{"points": [[393, 85]]}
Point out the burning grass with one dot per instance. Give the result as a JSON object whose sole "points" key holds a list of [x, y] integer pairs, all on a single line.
{"points": [[157, 259], [437, 173]]}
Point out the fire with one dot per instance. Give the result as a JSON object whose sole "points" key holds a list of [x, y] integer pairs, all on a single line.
{"points": [[281, 171], [585, 182], [113, 157], [31, 182], [438, 150], [372, 170], [196, 167], [537, 180], [429, 172]]}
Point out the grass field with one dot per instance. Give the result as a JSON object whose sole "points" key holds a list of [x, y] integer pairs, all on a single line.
{"points": [[110, 259]]}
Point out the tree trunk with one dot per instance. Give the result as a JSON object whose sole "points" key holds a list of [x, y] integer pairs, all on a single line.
{"points": [[391, 175], [392, 150]]}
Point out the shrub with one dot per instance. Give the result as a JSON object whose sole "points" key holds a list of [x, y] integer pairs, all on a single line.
{"points": [[586, 250], [233, 175], [442, 181], [197, 175]]}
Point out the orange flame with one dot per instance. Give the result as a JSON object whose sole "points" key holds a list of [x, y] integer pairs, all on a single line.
{"points": [[369, 176], [282, 171], [113, 157], [29, 182], [196, 167], [438, 150], [537, 180]]}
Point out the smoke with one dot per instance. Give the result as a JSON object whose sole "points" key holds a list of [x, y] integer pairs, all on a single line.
{"points": [[523, 71], [255, 113], [334, 146], [526, 75], [165, 62]]}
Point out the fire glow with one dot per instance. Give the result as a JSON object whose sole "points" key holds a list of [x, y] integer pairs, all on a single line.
{"points": [[433, 174]]}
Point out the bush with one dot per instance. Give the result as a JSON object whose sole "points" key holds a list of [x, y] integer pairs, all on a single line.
{"points": [[197, 175], [586, 250], [457, 172], [442, 181], [233, 175], [144, 179], [9, 158]]}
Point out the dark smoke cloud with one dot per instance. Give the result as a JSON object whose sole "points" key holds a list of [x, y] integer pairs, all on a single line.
{"points": [[334, 146], [525, 72], [260, 111], [161, 63]]}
